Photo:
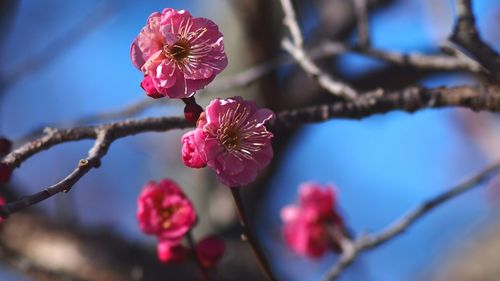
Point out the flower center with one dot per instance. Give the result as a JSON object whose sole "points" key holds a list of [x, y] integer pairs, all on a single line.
{"points": [[180, 50], [230, 138], [167, 214]]}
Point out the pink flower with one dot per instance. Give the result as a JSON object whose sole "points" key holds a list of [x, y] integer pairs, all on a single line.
{"points": [[190, 155], [312, 226], [180, 53], [168, 252], [210, 250], [164, 211], [231, 136]]}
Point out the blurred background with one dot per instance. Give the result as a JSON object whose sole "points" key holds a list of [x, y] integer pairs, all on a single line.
{"points": [[62, 61]]}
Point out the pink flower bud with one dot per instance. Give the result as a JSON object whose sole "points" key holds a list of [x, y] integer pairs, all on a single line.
{"points": [[210, 250], [5, 173], [148, 86], [172, 253], [312, 226], [181, 53], [164, 211], [190, 154]]}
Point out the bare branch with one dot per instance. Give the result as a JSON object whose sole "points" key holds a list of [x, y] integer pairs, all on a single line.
{"points": [[410, 99], [330, 84], [466, 35], [117, 129], [104, 136], [296, 50], [291, 22], [366, 242]]}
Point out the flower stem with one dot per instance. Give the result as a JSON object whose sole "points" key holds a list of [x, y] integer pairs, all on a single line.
{"points": [[249, 237], [204, 273]]}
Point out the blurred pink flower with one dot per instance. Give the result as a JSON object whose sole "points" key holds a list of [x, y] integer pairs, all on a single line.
{"points": [[311, 226], [180, 53], [210, 250], [164, 211], [190, 155], [168, 252], [233, 139]]}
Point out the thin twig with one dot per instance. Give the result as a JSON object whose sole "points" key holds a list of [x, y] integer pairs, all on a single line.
{"points": [[104, 135], [291, 22], [366, 242], [411, 99], [296, 50], [466, 35], [327, 82], [248, 235]]}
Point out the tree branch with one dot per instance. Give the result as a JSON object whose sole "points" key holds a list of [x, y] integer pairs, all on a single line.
{"points": [[104, 136], [485, 98], [366, 242], [466, 35], [296, 50]]}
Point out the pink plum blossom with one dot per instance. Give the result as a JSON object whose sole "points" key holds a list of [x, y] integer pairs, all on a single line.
{"points": [[180, 53], [312, 226], [190, 155], [164, 211], [233, 140], [210, 250]]}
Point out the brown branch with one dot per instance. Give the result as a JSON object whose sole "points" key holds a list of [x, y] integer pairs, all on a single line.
{"points": [[327, 82], [104, 135], [366, 242], [410, 99], [296, 50], [466, 35], [485, 98]]}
